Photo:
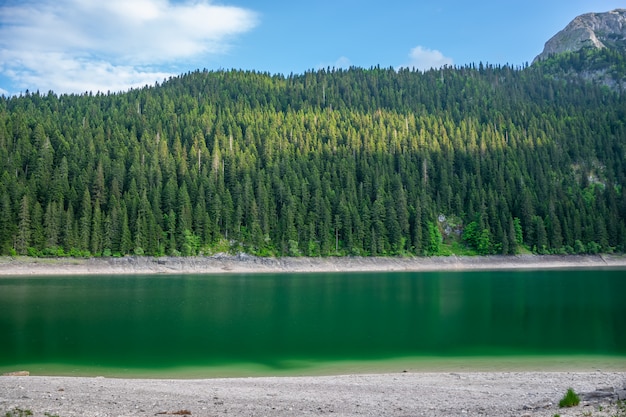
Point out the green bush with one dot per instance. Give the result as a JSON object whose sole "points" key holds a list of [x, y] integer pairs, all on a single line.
{"points": [[570, 399], [18, 412], [33, 252]]}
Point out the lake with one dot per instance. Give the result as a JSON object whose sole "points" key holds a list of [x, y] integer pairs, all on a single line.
{"points": [[286, 324]]}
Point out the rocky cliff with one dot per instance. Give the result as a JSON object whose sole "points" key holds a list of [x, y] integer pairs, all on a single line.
{"points": [[595, 30]]}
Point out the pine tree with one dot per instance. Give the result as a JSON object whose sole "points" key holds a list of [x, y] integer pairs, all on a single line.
{"points": [[85, 221], [38, 237], [7, 225], [97, 238], [52, 219], [23, 240], [126, 239]]}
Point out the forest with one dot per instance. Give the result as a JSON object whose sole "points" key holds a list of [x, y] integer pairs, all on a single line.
{"points": [[479, 159]]}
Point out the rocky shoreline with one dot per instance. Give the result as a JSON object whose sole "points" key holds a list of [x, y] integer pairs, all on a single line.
{"points": [[243, 263], [529, 394]]}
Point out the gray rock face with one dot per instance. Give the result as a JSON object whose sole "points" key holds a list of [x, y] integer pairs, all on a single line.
{"points": [[596, 30]]}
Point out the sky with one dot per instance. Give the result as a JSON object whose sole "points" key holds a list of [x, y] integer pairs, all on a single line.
{"points": [[78, 46]]}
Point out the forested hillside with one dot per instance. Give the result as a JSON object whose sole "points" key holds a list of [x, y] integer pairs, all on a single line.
{"points": [[478, 159], [601, 66]]}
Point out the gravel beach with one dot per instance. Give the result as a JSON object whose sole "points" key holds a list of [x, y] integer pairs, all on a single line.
{"points": [[402, 394]]}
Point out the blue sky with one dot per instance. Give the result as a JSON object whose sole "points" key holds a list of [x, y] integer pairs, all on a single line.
{"points": [[74, 46]]}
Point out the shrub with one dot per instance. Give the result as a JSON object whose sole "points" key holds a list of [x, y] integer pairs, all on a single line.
{"points": [[33, 252], [18, 412], [570, 399]]}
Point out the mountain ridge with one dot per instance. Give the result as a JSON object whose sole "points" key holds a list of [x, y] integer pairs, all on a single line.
{"points": [[589, 30]]}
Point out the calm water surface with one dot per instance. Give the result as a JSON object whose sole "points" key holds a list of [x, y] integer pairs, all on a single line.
{"points": [[249, 324]]}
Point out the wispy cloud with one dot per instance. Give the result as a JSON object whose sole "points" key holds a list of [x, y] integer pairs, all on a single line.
{"points": [[84, 45], [424, 59], [341, 62]]}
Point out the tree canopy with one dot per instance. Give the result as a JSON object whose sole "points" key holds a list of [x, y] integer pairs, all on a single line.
{"points": [[484, 159]]}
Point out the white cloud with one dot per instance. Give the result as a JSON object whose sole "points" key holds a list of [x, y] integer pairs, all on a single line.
{"points": [[341, 62], [424, 59], [64, 73], [90, 45]]}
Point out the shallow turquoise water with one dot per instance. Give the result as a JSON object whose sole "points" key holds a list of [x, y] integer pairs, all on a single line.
{"points": [[310, 323]]}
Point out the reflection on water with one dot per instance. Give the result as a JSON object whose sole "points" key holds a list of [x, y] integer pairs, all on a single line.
{"points": [[297, 322]]}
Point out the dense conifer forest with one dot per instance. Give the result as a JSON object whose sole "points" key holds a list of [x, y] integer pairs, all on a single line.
{"points": [[478, 159]]}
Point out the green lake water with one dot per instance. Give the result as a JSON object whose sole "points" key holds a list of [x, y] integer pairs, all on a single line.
{"points": [[277, 324]]}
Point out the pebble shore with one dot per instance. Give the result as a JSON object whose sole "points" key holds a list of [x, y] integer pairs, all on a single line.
{"points": [[526, 394], [243, 263]]}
